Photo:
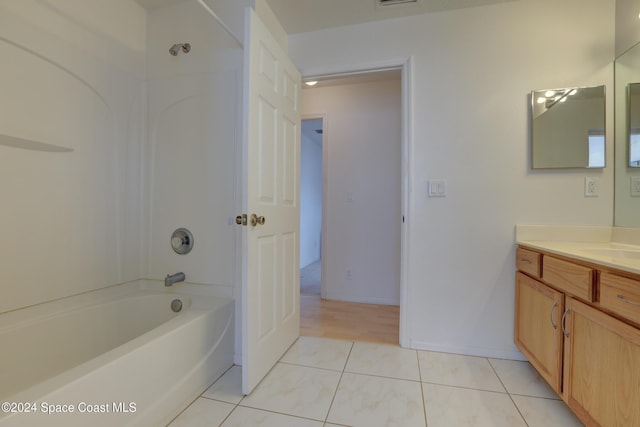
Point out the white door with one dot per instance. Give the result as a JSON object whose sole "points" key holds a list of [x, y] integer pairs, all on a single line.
{"points": [[270, 282]]}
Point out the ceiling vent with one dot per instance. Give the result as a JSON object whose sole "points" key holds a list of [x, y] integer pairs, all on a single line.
{"points": [[395, 2]]}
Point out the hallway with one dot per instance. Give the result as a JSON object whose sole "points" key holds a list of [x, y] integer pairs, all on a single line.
{"points": [[349, 320], [310, 279], [342, 319]]}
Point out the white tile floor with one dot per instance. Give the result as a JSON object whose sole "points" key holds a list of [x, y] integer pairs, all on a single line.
{"points": [[324, 382]]}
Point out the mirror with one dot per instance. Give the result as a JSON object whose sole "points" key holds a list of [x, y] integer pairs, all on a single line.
{"points": [[633, 130], [627, 133], [568, 128]]}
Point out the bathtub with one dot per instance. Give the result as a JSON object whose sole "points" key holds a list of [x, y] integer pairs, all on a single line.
{"points": [[118, 356]]}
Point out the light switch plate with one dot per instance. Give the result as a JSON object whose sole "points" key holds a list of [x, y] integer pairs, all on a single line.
{"points": [[591, 186], [437, 188]]}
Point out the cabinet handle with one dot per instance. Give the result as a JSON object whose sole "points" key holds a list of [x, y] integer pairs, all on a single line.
{"points": [[628, 301], [526, 261], [555, 325], [564, 317]]}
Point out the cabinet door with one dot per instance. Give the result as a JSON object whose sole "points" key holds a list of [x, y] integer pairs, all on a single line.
{"points": [[601, 367], [537, 327]]}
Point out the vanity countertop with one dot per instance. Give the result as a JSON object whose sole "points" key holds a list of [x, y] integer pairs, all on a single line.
{"points": [[609, 254], [599, 245]]}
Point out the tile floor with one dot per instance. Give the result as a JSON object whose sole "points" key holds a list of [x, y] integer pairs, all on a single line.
{"points": [[327, 382]]}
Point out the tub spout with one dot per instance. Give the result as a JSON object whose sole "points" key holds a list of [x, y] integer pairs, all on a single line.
{"points": [[174, 278]]}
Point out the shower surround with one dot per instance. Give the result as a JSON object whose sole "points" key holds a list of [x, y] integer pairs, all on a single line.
{"points": [[108, 143]]}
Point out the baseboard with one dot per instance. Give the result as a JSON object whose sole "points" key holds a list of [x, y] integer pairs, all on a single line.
{"points": [[362, 299]]}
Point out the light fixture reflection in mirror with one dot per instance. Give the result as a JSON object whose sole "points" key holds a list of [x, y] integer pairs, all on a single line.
{"points": [[568, 128]]}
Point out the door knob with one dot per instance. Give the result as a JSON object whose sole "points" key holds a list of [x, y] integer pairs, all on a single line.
{"points": [[257, 220]]}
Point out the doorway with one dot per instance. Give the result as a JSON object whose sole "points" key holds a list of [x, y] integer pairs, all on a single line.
{"points": [[362, 225], [311, 172]]}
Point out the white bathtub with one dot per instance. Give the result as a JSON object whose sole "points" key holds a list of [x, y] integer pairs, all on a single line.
{"points": [[114, 357]]}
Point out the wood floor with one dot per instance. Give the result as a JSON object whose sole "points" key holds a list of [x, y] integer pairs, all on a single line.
{"points": [[348, 320]]}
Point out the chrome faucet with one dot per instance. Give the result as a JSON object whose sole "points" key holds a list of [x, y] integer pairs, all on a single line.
{"points": [[174, 278]]}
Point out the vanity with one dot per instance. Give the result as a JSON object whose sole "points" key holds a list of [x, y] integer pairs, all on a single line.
{"points": [[577, 289], [577, 318]]}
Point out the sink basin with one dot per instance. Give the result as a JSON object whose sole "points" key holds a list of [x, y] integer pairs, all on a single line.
{"points": [[613, 252]]}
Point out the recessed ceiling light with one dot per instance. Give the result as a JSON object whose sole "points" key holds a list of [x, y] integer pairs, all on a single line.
{"points": [[311, 83]]}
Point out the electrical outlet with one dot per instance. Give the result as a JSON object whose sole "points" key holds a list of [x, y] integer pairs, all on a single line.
{"points": [[591, 186], [635, 186]]}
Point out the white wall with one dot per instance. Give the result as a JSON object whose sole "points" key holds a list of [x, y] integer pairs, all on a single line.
{"points": [[73, 77], [193, 113], [472, 72], [362, 205], [310, 198]]}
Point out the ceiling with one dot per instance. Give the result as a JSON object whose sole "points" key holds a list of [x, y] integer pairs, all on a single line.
{"points": [[297, 16]]}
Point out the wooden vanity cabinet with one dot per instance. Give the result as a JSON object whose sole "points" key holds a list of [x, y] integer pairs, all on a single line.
{"points": [[568, 277], [539, 309], [529, 262], [601, 367], [578, 326], [620, 296]]}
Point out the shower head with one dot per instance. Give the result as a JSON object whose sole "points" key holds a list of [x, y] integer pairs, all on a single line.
{"points": [[173, 50]]}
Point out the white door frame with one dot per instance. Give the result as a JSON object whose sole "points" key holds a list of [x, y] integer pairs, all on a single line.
{"points": [[405, 65]]}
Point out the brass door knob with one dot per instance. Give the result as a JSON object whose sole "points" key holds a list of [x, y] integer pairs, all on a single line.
{"points": [[257, 220]]}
